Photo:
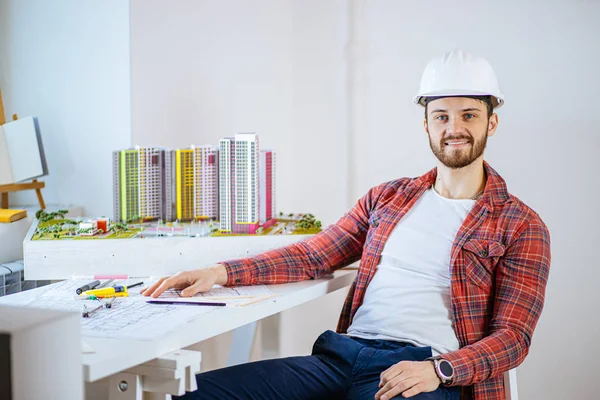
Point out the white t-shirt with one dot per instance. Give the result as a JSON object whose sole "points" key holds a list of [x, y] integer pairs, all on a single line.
{"points": [[408, 299]]}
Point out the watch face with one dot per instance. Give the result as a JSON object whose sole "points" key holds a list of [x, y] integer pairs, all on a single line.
{"points": [[446, 368]]}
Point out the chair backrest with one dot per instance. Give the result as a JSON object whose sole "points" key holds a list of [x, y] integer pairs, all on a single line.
{"points": [[510, 385]]}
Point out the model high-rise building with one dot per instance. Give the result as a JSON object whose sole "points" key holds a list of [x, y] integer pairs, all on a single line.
{"points": [[156, 201], [267, 187], [196, 195], [126, 174], [184, 184], [226, 184], [142, 184], [207, 183], [239, 183], [247, 204]]}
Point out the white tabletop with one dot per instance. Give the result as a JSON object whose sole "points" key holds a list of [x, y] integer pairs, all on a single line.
{"points": [[115, 355]]}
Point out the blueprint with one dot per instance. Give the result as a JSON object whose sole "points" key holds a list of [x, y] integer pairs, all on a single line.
{"points": [[128, 318]]}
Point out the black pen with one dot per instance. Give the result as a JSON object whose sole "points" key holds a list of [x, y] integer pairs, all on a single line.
{"points": [[89, 286], [189, 303], [135, 284]]}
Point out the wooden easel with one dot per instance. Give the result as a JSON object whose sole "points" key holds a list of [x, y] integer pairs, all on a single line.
{"points": [[15, 187]]}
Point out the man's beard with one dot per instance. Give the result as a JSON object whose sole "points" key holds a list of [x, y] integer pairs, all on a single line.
{"points": [[458, 159]]}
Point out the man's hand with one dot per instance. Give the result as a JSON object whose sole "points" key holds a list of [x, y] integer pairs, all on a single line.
{"points": [[409, 378], [192, 282]]}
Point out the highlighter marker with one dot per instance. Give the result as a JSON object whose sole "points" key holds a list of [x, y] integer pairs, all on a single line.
{"points": [[108, 290]]}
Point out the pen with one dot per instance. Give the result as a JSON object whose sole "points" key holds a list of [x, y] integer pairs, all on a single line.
{"points": [[87, 287], [134, 285], [189, 303], [106, 283], [108, 290]]}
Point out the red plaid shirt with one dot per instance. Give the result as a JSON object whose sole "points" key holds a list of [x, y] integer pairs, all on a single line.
{"points": [[499, 265]]}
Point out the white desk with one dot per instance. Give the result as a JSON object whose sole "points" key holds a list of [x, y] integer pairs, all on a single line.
{"points": [[113, 356]]}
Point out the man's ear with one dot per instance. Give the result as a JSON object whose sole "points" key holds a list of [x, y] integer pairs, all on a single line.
{"points": [[425, 126], [492, 124]]}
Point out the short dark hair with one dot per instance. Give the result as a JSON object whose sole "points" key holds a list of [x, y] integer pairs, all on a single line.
{"points": [[486, 99]]}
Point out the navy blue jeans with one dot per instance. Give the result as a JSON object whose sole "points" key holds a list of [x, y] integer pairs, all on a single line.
{"points": [[340, 367]]}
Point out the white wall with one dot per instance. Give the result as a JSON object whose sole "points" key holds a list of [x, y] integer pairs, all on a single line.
{"points": [[202, 70], [546, 55], [67, 62]]}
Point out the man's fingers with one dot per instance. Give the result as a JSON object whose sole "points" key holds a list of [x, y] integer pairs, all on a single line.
{"points": [[150, 289], [165, 285], [390, 371], [389, 385], [393, 372], [390, 374], [400, 387], [415, 390]]}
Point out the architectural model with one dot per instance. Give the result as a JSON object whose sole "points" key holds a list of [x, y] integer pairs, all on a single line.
{"points": [[233, 184]]}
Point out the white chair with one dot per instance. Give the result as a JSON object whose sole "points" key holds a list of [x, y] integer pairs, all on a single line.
{"points": [[510, 385]]}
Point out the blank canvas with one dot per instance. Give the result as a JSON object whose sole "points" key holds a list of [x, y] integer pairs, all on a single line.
{"points": [[6, 176], [24, 149]]}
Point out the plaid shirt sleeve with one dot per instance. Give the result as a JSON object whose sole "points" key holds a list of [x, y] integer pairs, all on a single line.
{"points": [[337, 246], [521, 280]]}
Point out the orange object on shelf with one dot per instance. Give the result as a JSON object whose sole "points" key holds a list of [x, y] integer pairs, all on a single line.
{"points": [[103, 225]]}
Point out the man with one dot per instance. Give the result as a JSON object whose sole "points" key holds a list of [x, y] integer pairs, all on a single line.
{"points": [[452, 275]]}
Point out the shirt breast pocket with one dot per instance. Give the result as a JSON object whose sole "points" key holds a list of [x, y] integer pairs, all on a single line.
{"points": [[481, 258], [374, 221]]}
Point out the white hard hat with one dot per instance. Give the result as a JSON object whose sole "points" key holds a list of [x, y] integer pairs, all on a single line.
{"points": [[459, 73]]}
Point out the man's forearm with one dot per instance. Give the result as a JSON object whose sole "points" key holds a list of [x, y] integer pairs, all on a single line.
{"points": [[337, 246], [309, 259], [489, 357]]}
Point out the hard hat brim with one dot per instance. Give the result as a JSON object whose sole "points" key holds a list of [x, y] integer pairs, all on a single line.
{"points": [[497, 99]]}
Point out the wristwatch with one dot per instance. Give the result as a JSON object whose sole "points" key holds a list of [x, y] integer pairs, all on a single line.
{"points": [[443, 369]]}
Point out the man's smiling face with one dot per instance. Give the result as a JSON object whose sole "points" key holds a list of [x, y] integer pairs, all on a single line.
{"points": [[458, 128]]}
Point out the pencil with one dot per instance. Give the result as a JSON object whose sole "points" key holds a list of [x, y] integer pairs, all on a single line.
{"points": [[188, 303]]}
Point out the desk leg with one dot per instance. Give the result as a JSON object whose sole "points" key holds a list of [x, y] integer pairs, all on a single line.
{"points": [[171, 374], [271, 337], [241, 344], [125, 386]]}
